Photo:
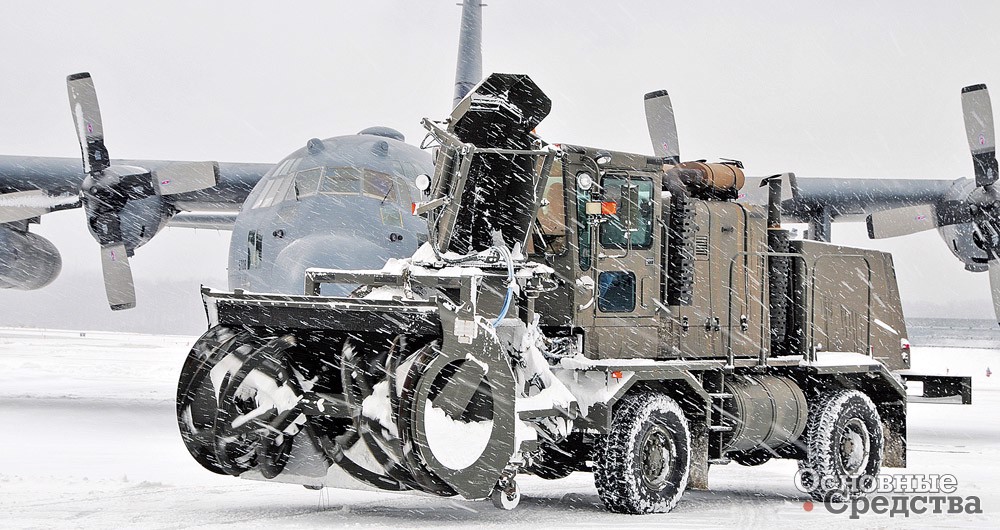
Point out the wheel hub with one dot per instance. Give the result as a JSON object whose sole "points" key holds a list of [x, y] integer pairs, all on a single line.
{"points": [[855, 447], [656, 456]]}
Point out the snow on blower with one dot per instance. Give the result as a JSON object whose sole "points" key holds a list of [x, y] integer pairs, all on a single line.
{"points": [[574, 309]]}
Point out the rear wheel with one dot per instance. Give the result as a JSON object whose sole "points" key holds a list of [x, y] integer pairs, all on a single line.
{"points": [[845, 445], [642, 464]]}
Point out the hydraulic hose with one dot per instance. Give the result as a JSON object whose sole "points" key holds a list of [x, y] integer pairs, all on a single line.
{"points": [[510, 284]]}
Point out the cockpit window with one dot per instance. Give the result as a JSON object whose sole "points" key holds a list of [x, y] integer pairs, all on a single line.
{"points": [[341, 181], [286, 167], [403, 190], [379, 186], [275, 192], [277, 185], [307, 182]]}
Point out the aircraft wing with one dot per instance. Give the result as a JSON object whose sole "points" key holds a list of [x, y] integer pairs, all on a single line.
{"points": [[851, 199], [31, 187], [63, 176]]}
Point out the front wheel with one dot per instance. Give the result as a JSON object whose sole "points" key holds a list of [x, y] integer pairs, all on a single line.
{"points": [[642, 464]]}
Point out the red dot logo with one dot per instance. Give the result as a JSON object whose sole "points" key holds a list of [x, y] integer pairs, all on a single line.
{"points": [[807, 506]]}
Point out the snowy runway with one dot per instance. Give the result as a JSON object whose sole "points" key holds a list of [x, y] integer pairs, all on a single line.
{"points": [[88, 439]]}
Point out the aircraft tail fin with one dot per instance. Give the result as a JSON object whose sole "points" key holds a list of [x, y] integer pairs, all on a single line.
{"points": [[469, 70]]}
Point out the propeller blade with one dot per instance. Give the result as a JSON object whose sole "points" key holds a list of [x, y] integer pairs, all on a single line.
{"points": [[22, 205], [117, 276], [185, 177], [87, 118], [995, 286], [902, 221], [662, 125], [978, 112]]}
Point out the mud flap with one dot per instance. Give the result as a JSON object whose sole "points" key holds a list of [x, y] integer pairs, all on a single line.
{"points": [[698, 475]]}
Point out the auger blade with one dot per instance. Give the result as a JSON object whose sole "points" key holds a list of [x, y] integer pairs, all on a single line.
{"points": [[978, 113], [662, 125], [87, 117], [117, 276]]}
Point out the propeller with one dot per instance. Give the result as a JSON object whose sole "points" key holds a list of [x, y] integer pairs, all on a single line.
{"points": [[981, 207], [662, 125], [108, 189]]}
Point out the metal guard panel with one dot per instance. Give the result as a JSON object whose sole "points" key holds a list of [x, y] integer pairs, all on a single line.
{"points": [[323, 313], [878, 369]]}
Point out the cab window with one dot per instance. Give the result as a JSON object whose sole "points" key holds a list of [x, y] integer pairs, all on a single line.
{"points": [[614, 233], [549, 235], [616, 291], [583, 228]]}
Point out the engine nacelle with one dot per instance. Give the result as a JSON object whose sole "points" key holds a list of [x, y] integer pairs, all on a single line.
{"points": [[118, 208], [27, 261], [141, 219]]}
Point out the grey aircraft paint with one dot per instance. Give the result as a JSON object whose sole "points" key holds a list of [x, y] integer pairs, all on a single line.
{"points": [[343, 200]]}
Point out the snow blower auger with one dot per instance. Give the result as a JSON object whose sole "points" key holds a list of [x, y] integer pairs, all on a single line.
{"points": [[418, 380], [574, 309]]}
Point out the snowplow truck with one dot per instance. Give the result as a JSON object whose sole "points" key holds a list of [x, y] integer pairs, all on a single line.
{"points": [[573, 309]]}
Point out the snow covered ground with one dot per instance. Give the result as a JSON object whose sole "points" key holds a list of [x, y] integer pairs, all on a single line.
{"points": [[88, 439]]}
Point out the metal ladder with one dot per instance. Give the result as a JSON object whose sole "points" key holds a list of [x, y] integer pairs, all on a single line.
{"points": [[717, 425]]}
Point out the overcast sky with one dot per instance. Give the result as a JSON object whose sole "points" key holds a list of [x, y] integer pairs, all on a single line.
{"points": [[846, 88]]}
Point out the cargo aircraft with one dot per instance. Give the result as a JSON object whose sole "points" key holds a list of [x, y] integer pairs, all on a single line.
{"points": [[344, 202]]}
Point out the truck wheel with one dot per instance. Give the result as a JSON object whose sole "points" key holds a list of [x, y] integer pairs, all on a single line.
{"points": [[844, 443], [641, 465]]}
